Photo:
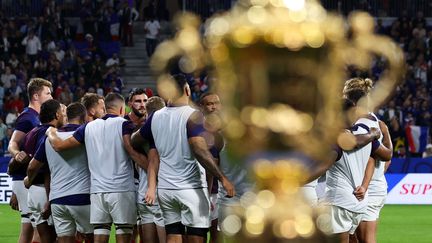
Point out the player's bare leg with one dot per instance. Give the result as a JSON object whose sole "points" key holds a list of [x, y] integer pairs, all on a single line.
{"points": [[174, 238], [26, 233], [213, 231], [46, 233], [36, 237], [148, 233], [123, 238], [161, 234], [366, 232], [344, 237], [353, 238], [66, 239], [195, 239], [101, 238]]}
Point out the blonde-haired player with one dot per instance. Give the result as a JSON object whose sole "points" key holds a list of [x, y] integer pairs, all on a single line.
{"points": [[355, 89], [38, 91]]}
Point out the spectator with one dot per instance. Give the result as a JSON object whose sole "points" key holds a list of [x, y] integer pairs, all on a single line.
{"points": [[113, 61], [152, 28], [68, 32], [33, 46], [15, 102], [4, 46], [99, 90], [13, 61], [66, 96], [428, 152], [11, 118], [114, 24], [128, 15], [59, 53], [14, 90], [7, 77]]}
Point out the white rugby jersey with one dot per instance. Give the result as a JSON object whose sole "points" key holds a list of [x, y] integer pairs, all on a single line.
{"points": [[111, 169], [346, 174], [378, 184], [178, 167], [69, 170]]}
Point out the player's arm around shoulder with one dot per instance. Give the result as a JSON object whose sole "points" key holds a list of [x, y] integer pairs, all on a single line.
{"points": [[139, 158], [59, 144], [385, 151]]}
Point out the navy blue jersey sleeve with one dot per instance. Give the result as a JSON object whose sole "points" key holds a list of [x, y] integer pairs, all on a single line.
{"points": [[195, 125], [127, 128], [40, 154], [375, 146], [24, 125], [79, 134], [214, 151], [146, 133]]}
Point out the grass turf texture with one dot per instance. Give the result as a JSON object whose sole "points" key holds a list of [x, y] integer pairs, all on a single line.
{"points": [[398, 224]]}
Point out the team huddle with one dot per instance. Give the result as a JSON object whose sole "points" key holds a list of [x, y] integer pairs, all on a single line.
{"points": [[79, 169], [355, 186], [162, 170]]}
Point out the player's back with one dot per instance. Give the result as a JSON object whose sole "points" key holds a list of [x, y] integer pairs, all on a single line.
{"points": [[69, 169], [378, 183], [346, 174], [178, 168], [110, 166]]}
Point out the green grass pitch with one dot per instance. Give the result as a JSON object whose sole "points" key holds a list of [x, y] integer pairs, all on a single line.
{"points": [[398, 224]]}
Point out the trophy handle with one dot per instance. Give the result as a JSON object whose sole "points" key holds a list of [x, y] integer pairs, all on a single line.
{"points": [[365, 45]]}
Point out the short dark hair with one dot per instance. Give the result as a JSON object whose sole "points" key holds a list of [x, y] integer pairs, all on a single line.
{"points": [[112, 100], [48, 111], [180, 81], [89, 100], [76, 110], [154, 103], [136, 91]]}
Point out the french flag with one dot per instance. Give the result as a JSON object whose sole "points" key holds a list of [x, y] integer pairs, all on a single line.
{"points": [[417, 138]]}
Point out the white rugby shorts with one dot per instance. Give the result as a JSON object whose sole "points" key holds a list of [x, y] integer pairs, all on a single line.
{"points": [[375, 204], [150, 214], [69, 219], [191, 207], [343, 220], [22, 193], [36, 201], [113, 207]]}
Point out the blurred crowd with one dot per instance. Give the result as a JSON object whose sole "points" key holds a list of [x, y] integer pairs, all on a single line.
{"points": [[380, 8], [71, 56], [411, 103]]}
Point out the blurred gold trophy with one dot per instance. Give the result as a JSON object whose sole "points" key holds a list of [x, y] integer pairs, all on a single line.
{"points": [[280, 66]]}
